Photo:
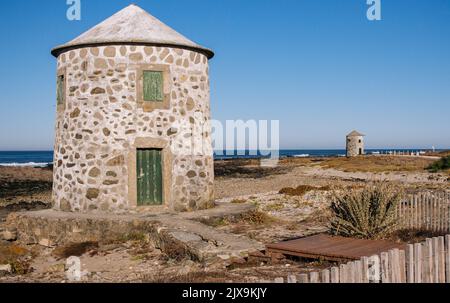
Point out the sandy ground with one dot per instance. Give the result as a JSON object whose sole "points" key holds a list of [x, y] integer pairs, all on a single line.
{"points": [[279, 217]]}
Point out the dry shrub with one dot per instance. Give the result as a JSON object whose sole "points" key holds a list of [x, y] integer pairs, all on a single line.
{"points": [[18, 257], [256, 217], [74, 250], [238, 201], [192, 277], [302, 190], [414, 235], [368, 213]]}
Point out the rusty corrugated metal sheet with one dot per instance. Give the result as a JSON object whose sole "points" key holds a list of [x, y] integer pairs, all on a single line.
{"points": [[333, 248]]}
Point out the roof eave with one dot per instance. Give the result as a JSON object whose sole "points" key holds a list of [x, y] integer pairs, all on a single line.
{"points": [[65, 48]]}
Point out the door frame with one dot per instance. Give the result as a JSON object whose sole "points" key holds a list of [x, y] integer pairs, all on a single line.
{"points": [[166, 154]]}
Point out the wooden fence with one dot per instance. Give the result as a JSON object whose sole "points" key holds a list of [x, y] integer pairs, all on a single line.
{"points": [[427, 262], [429, 211]]}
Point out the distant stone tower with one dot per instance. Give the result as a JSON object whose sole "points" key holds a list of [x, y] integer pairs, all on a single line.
{"points": [[355, 144], [133, 113]]}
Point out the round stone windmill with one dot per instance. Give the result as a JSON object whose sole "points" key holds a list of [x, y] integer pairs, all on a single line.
{"points": [[355, 144], [133, 112]]}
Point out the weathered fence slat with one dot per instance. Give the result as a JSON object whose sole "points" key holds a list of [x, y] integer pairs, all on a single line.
{"points": [[418, 264], [402, 264], [441, 252], [334, 275], [385, 277], [325, 276], [343, 273], [447, 258], [314, 277], [410, 264], [425, 210], [436, 263], [303, 278], [364, 270], [374, 273]]}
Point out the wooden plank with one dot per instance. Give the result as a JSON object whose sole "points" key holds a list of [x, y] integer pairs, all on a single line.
{"points": [[314, 277], [427, 212], [418, 264], [441, 245], [447, 259], [365, 270], [416, 212], [343, 273], [385, 276], [358, 272], [435, 214], [291, 279], [435, 256], [334, 275], [428, 261], [394, 266], [374, 272], [352, 272], [279, 281], [402, 264], [445, 216], [422, 211], [303, 278], [325, 276], [333, 248], [410, 264]]}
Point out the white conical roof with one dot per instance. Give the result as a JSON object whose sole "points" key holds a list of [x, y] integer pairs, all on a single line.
{"points": [[355, 134], [132, 25]]}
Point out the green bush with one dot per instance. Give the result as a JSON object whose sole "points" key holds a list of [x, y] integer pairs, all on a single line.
{"points": [[368, 213], [439, 165]]}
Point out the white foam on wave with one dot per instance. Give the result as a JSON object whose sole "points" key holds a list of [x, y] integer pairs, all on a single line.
{"points": [[302, 156], [29, 164]]}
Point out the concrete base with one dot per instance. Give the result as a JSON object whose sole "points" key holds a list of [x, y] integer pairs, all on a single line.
{"points": [[180, 235]]}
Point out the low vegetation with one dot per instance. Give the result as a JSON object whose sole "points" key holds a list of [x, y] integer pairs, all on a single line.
{"points": [[440, 165], [377, 164], [74, 249], [248, 169], [412, 236], [302, 190], [17, 257], [254, 217], [368, 213]]}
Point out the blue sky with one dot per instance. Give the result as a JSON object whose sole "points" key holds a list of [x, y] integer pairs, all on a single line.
{"points": [[318, 66]]}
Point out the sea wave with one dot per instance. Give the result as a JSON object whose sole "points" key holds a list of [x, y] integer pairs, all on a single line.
{"points": [[29, 164], [302, 156]]}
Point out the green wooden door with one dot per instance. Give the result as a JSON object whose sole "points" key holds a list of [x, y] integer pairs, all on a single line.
{"points": [[149, 177]]}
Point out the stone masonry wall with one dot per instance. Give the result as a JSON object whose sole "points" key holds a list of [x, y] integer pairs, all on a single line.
{"points": [[101, 120], [353, 146]]}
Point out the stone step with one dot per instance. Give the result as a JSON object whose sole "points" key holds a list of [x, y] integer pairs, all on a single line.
{"points": [[178, 235]]}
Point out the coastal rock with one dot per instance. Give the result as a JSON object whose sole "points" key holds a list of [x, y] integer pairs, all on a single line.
{"points": [[8, 235], [5, 269]]}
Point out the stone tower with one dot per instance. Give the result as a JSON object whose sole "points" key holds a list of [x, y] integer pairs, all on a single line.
{"points": [[355, 144], [133, 119]]}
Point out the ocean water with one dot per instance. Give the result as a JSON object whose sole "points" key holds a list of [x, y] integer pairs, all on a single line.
{"points": [[44, 158], [26, 158]]}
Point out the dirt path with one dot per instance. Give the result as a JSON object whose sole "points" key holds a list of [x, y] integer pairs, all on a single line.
{"points": [[316, 176]]}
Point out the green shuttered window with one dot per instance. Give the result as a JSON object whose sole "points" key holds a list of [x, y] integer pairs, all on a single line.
{"points": [[153, 86], [60, 93], [149, 177]]}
